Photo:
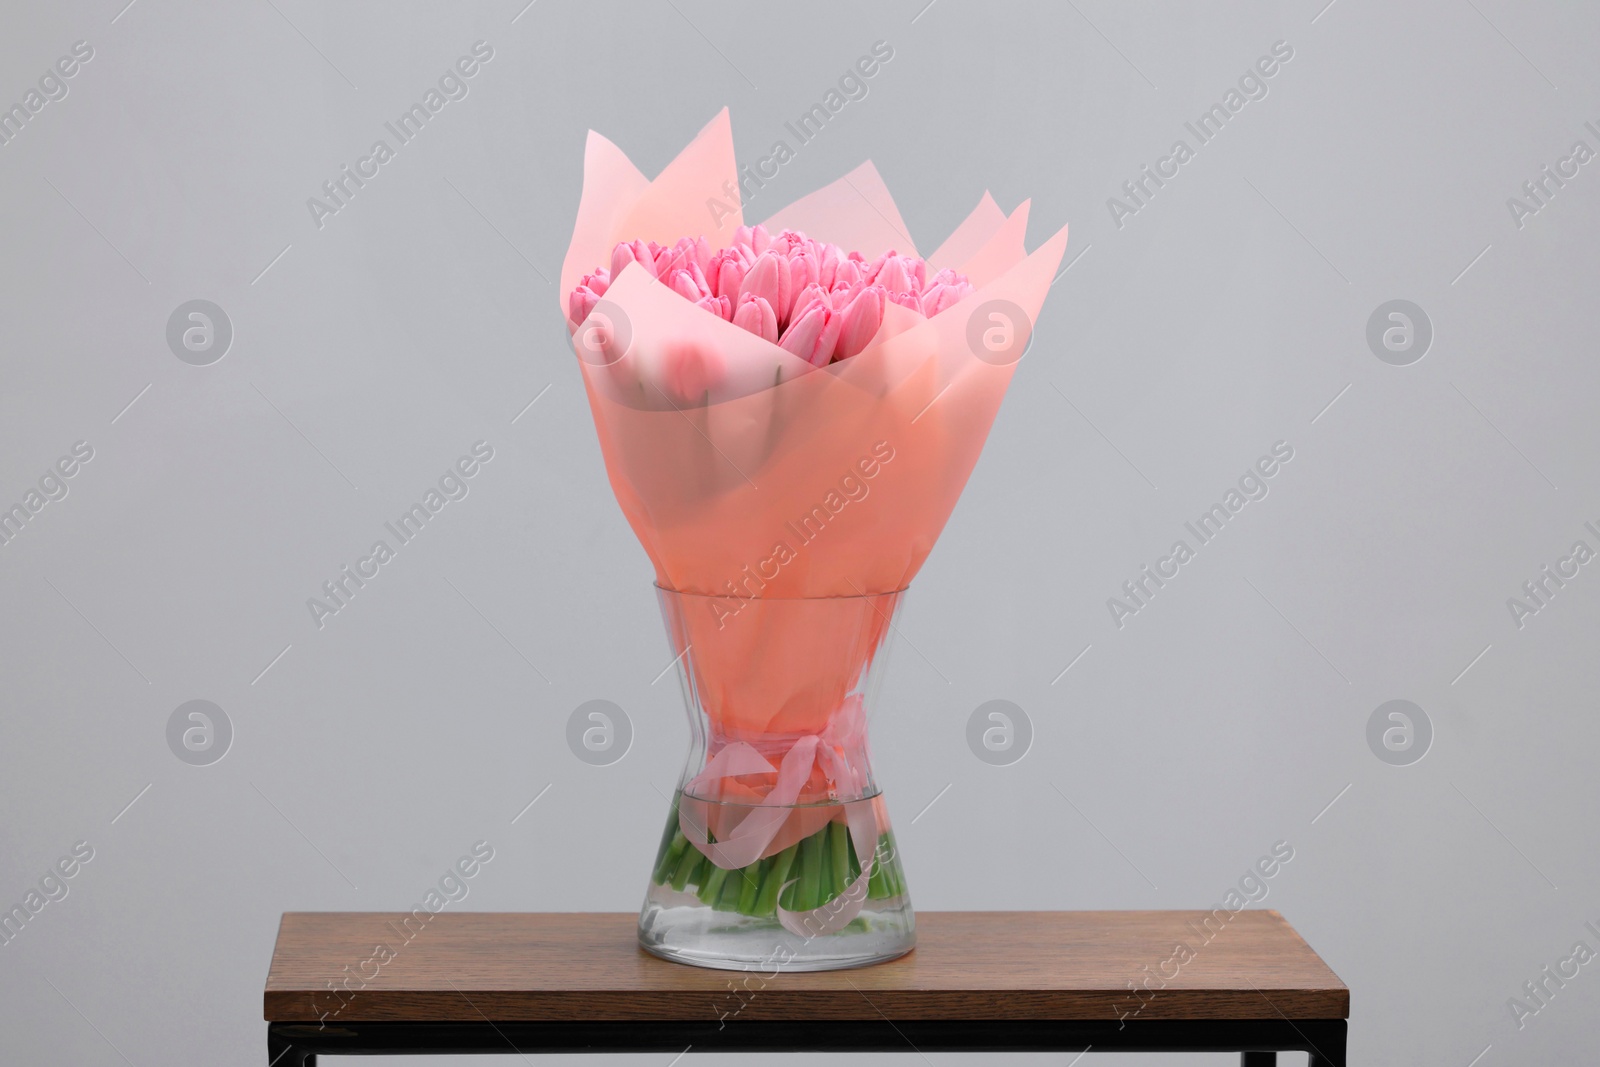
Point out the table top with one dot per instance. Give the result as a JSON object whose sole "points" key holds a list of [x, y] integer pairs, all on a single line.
{"points": [[572, 966]]}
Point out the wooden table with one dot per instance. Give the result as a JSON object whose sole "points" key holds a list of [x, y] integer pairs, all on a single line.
{"points": [[352, 983]]}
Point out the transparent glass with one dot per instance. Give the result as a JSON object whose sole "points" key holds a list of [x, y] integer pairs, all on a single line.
{"points": [[777, 852]]}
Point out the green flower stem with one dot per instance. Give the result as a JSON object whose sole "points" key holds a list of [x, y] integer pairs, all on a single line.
{"points": [[687, 864], [795, 898], [669, 831], [728, 898], [670, 855], [750, 885], [876, 889], [839, 839], [885, 881], [824, 866], [767, 901], [824, 887], [813, 872], [711, 885]]}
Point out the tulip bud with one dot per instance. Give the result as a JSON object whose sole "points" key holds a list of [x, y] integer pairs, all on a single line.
{"points": [[804, 269], [894, 275], [598, 282], [769, 278], [861, 318], [942, 295], [728, 269], [683, 283], [719, 306], [828, 258], [754, 238], [906, 300], [580, 303], [756, 315], [667, 260], [699, 276], [813, 335], [811, 294], [702, 254], [849, 274], [632, 252]]}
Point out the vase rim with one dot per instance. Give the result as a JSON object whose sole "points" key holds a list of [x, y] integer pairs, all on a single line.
{"points": [[791, 599]]}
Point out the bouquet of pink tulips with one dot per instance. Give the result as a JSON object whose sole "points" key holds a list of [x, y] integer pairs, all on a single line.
{"points": [[787, 412]]}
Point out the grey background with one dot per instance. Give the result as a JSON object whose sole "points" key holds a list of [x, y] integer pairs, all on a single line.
{"points": [[1226, 315]]}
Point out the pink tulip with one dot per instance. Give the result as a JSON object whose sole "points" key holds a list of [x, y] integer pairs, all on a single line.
{"points": [[693, 267], [945, 291], [701, 250], [828, 257], [860, 320], [849, 273], [813, 336], [668, 260], [897, 274], [755, 238], [811, 294], [791, 241], [871, 270], [598, 282], [580, 303], [905, 300], [719, 306], [683, 283], [691, 372], [769, 279], [756, 315], [804, 269], [800, 338], [632, 252], [728, 268]]}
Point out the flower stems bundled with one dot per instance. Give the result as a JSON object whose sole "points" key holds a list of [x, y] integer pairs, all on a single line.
{"points": [[821, 866]]}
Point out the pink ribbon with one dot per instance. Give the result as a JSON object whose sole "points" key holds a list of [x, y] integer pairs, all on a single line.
{"points": [[751, 839]]}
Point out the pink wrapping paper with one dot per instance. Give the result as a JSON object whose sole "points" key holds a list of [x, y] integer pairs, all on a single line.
{"points": [[743, 470], [748, 474]]}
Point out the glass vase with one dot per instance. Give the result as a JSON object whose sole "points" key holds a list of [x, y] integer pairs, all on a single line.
{"points": [[777, 850]]}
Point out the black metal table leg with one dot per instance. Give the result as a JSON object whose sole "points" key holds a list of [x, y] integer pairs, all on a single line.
{"points": [[1258, 1059], [281, 1053], [1329, 1050]]}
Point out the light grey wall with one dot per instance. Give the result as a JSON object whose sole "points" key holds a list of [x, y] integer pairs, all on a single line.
{"points": [[1228, 313]]}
